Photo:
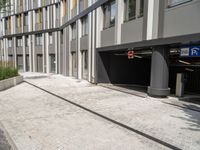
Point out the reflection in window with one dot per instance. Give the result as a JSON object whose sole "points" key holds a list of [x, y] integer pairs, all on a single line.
{"points": [[84, 26], [172, 3], [109, 14], [73, 31]]}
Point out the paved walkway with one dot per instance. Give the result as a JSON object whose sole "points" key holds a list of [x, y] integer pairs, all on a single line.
{"points": [[59, 113]]}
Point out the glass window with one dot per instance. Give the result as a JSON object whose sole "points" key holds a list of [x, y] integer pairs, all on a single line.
{"points": [[9, 42], [85, 26], [109, 14], [38, 39], [26, 19], [50, 38], [61, 37], [172, 3], [73, 31], [130, 9], [26, 41], [19, 41], [141, 8], [112, 13]]}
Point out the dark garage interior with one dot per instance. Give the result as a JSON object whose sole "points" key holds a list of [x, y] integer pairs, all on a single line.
{"points": [[116, 68], [190, 67]]}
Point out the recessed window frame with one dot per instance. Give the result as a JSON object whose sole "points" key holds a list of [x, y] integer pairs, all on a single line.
{"points": [[19, 41], [9, 42], [38, 40], [85, 26], [73, 27], [107, 12], [50, 38]]}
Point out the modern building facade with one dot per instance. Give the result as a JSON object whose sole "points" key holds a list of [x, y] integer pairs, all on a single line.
{"points": [[91, 39]]}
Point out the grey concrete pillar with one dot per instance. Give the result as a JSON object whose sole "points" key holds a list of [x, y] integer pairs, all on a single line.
{"points": [[159, 73]]}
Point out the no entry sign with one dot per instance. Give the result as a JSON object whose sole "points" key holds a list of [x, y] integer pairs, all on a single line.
{"points": [[131, 54]]}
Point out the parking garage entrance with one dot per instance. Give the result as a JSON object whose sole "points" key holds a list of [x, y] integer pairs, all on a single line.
{"points": [[119, 69], [189, 68]]}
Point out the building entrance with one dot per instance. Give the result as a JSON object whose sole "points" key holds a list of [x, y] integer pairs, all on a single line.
{"points": [[190, 68]]}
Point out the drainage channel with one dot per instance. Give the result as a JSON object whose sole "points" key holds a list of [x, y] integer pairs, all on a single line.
{"points": [[168, 145]]}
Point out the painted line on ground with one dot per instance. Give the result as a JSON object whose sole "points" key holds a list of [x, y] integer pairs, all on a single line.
{"points": [[110, 120]]}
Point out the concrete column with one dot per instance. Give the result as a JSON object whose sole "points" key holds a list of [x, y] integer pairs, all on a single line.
{"points": [[69, 51], [79, 57], [155, 18], [64, 51], [15, 51], [47, 52], [44, 52], [30, 53], [56, 51], [24, 53], [118, 20], [34, 54], [159, 73], [89, 45]]}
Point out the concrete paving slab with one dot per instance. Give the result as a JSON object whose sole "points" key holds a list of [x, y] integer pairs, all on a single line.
{"points": [[36, 120], [175, 125]]}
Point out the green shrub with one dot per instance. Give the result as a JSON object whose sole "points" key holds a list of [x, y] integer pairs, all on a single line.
{"points": [[7, 71]]}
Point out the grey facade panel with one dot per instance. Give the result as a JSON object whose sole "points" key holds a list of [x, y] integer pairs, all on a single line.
{"points": [[84, 43], [52, 49], [10, 51], [20, 50], [182, 20], [108, 37], [38, 49], [73, 45], [27, 50], [132, 31]]}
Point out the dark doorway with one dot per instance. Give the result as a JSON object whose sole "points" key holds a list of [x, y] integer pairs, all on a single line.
{"points": [[39, 63], [52, 63], [20, 62]]}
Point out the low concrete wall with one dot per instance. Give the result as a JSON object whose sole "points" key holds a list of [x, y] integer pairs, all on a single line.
{"points": [[8, 83]]}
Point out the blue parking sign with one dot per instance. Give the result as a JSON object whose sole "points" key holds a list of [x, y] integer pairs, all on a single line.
{"points": [[192, 51]]}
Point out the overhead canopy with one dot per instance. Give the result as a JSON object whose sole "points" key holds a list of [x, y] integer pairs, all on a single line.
{"points": [[169, 41]]}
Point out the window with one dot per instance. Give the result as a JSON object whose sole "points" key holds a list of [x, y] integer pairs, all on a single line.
{"points": [[9, 42], [19, 41], [172, 3], [26, 41], [141, 8], [131, 10], [73, 31], [38, 16], [19, 21], [83, 4], [25, 19], [50, 38], [61, 36], [74, 8], [38, 39], [6, 23], [85, 26], [109, 14]]}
